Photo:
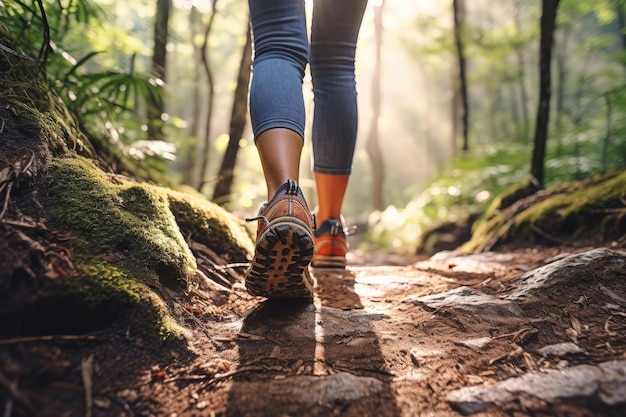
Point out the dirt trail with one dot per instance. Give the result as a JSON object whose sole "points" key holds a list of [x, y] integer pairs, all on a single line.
{"points": [[372, 344]]}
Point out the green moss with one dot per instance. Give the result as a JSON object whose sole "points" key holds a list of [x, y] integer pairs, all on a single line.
{"points": [[212, 225], [570, 199], [40, 113], [137, 227], [119, 217], [576, 209], [509, 196], [105, 287]]}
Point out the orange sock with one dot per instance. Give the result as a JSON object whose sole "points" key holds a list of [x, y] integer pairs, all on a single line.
{"points": [[331, 190]]}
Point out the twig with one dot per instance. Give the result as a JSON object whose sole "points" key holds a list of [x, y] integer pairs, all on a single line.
{"points": [[13, 52], [214, 259], [185, 378], [8, 407], [198, 323], [231, 266], [250, 366], [609, 210], [50, 338], [130, 323], [354, 371], [606, 323], [16, 395], [240, 370], [45, 47], [12, 176], [212, 283], [87, 373], [7, 197], [16, 223], [546, 235]]}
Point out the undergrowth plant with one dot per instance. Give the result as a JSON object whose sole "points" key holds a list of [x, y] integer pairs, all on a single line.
{"points": [[474, 179], [107, 102]]}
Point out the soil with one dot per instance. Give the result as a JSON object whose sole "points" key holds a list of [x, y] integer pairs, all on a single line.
{"points": [[246, 356]]}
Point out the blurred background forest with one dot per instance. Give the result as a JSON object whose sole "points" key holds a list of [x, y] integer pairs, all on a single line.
{"points": [[159, 88]]}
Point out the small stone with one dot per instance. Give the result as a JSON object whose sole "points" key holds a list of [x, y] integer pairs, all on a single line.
{"points": [[560, 350], [605, 382], [477, 344], [102, 402], [418, 355]]}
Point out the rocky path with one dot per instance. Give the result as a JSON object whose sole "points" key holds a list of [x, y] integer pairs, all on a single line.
{"points": [[491, 334], [520, 333]]}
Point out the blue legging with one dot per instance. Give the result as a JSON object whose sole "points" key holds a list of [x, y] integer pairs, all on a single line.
{"points": [[281, 53]]}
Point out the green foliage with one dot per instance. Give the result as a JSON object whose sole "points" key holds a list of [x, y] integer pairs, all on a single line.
{"points": [[476, 178], [472, 181], [501, 39], [105, 101]]}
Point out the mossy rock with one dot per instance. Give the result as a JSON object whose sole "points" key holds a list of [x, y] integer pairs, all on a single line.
{"points": [[129, 259], [97, 296], [446, 235], [128, 245], [510, 196], [590, 212], [84, 249], [113, 215]]}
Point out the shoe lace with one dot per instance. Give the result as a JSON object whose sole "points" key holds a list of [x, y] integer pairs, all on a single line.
{"points": [[257, 218], [350, 230]]}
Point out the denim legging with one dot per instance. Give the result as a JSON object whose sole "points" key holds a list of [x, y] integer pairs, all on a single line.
{"points": [[281, 53]]}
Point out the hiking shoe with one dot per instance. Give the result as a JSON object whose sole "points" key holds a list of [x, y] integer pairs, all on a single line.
{"points": [[284, 247], [331, 245]]}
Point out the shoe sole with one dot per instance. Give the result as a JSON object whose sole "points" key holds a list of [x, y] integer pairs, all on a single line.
{"points": [[281, 259], [328, 262]]}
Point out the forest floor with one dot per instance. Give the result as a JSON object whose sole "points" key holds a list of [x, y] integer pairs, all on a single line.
{"points": [[379, 339]]}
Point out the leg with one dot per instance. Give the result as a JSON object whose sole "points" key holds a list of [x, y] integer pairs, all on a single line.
{"points": [[284, 244], [333, 45], [334, 35], [331, 190], [276, 104], [279, 150]]}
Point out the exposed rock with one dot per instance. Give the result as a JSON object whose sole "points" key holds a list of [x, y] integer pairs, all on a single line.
{"points": [[585, 267], [561, 350], [308, 392], [605, 382], [468, 300], [485, 262]]}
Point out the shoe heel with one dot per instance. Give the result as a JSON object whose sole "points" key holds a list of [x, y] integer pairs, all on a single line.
{"points": [[280, 266]]}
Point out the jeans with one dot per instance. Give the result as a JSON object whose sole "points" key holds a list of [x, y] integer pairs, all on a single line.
{"points": [[281, 53]]}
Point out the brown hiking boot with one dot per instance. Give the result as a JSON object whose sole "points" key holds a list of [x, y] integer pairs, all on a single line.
{"points": [[284, 247], [331, 245]]}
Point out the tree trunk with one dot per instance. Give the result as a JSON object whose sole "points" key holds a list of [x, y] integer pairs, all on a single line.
{"points": [[373, 146], [206, 149], [238, 115], [156, 104], [521, 74], [548, 24], [194, 118], [562, 75], [609, 131], [459, 20], [621, 25]]}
